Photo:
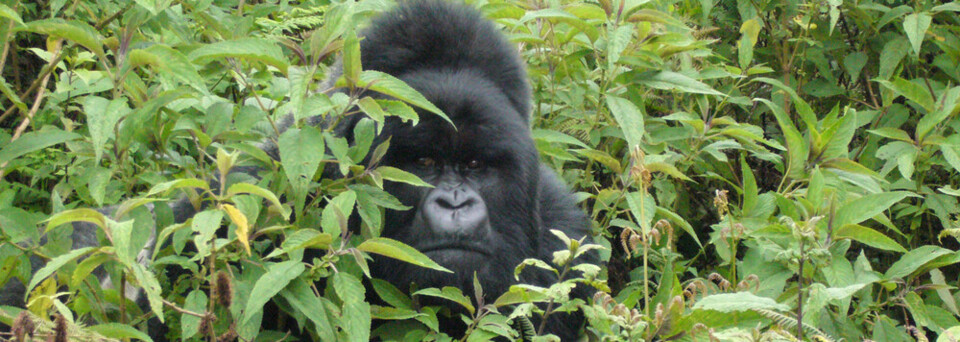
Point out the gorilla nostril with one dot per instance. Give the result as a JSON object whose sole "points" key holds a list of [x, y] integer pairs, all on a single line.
{"points": [[453, 201]]}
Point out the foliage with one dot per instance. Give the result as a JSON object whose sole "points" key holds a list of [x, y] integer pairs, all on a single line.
{"points": [[755, 169]]}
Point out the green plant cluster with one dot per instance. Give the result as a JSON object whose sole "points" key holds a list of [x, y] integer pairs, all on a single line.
{"points": [[755, 170]]}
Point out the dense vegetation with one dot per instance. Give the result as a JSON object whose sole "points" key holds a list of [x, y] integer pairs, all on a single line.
{"points": [[755, 169]]}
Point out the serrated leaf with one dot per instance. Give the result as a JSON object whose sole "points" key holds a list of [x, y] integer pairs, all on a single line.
{"points": [[669, 80], [196, 301], [269, 284], [301, 151], [75, 31], [911, 91], [629, 117], [119, 331], [54, 264], [299, 295], [253, 49], [34, 141], [77, 215], [391, 295], [102, 118], [247, 188], [9, 13], [165, 187], [892, 133], [671, 170], [154, 6], [867, 206], [397, 175], [740, 301], [915, 26], [391, 86], [556, 137], [449, 293], [913, 260], [869, 237], [168, 62], [400, 251], [797, 149]]}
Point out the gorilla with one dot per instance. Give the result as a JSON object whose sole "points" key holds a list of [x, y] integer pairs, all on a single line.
{"points": [[493, 203]]}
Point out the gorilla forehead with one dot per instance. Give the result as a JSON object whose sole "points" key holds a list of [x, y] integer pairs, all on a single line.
{"points": [[486, 123]]}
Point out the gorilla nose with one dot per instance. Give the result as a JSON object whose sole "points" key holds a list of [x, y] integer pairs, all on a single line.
{"points": [[454, 199], [454, 210]]}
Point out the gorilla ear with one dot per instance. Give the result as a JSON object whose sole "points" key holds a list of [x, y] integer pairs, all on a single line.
{"points": [[442, 35]]}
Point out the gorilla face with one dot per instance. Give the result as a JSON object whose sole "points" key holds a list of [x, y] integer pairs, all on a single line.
{"points": [[481, 216]]}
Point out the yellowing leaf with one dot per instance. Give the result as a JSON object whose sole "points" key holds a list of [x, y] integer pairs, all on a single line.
{"points": [[243, 228]]}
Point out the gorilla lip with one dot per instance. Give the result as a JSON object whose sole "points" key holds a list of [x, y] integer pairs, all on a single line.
{"points": [[453, 246]]}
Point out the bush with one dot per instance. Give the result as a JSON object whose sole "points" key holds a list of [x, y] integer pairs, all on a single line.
{"points": [[755, 169]]}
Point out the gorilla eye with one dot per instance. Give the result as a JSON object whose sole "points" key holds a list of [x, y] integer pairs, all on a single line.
{"points": [[474, 164], [426, 162]]}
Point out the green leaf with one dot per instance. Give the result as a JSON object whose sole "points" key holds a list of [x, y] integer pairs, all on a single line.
{"points": [[299, 295], [915, 26], [165, 187], [391, 295], [75, 31], [154, 6], [449, 293], [400, 251], [391, 86], [151, 287], [351, 57], [869, 237], [253, 49], [334, 217], [669, 80], [911, 91], [102, 118], [75, 215], [797, 149], [119, 331], [750, 191], [168, 62], [397, 175], [890, 57], [867, 206], [189, 324], [603, 158], [749, 33], [667, 169], [277, 277], [54, 264], [556, 137], [301, 151], [913, 260], [892, 133], [9, 13], [247, 188], [740, 301], [356, 321], [629, 118], [34, 141], [854, 63]]}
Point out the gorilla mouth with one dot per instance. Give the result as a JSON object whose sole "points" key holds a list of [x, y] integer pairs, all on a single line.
{"points": [[454, 247]]}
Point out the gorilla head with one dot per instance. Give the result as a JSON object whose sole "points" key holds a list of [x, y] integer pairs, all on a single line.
{"points": [[482, 214]]}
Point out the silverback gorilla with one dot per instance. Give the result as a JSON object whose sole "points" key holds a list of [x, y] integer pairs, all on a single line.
{"points": [[493, 202]]}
